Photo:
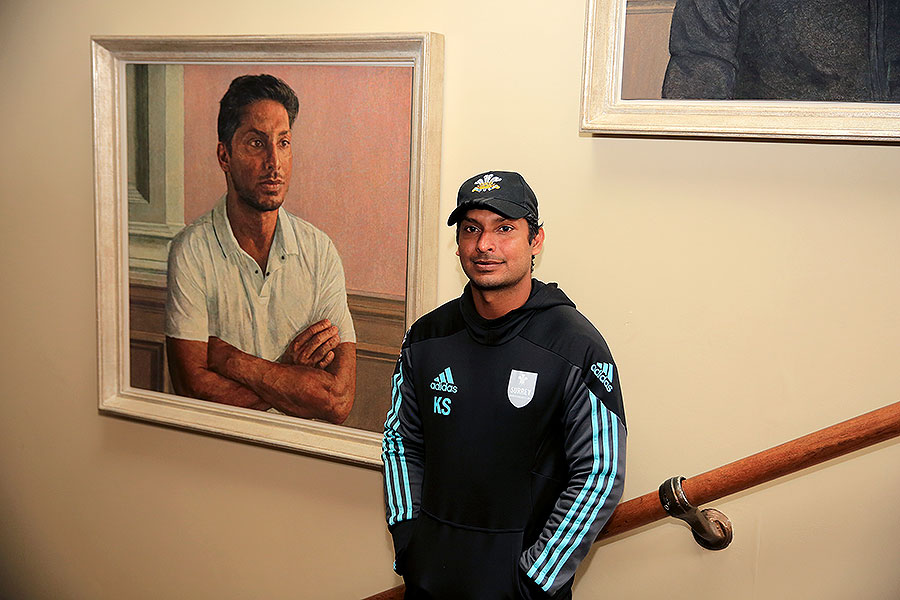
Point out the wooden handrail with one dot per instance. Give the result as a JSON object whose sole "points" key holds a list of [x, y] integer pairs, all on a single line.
{"points": [[804, 452], [790, 457], [391, 594]]}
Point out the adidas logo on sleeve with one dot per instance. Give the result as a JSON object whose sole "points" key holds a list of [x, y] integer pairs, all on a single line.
{"points": [[444, 382]]}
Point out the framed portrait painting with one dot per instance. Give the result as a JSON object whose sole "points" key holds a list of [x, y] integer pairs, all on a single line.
{"points": [[265, 210], [825, 70]]}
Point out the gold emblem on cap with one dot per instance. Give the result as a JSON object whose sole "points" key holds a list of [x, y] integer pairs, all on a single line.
{"points": [[487, 183]]}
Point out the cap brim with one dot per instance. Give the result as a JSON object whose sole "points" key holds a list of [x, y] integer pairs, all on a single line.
{"points": [[504, 208]]}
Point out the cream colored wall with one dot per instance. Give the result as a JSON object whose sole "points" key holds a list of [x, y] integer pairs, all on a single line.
{"points": [[749, 292]]}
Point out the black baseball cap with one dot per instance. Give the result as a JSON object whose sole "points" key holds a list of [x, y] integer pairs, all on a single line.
{"points": [[504, 192]]}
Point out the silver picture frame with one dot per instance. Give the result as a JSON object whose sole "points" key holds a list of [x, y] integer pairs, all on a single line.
{"points": [[605, 112], [422, 52]]}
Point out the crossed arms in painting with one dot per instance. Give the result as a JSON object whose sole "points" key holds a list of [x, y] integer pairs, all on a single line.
{"points": [[314, 378]]}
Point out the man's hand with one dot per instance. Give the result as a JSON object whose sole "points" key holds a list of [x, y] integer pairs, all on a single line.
{"points": [[303, 391], [313, 347]]}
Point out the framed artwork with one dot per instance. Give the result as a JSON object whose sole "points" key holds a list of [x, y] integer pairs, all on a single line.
{"points": [[818, 71], [363, 174]]}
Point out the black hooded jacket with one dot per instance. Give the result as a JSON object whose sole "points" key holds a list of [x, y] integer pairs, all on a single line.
{"points": [[504, 449]]}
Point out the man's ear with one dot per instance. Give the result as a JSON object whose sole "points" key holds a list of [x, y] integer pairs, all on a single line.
{"points": [[223, 155], [538, 242]]}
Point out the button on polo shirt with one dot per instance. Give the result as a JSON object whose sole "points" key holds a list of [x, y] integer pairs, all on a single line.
{"points": [[216, 289]]}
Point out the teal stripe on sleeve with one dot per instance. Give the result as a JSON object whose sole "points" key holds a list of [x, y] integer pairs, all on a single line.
{"points": [[609, 427], [550, 548], [395, 463]]}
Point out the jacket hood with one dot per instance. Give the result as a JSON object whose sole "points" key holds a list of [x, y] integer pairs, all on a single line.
{"points": [[493, 332]]}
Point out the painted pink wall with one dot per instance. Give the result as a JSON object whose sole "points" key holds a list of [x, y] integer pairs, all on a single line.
{"points": [[351, 159]]}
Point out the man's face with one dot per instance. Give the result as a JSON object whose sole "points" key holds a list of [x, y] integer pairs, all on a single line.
{"points": [[494, 251], [258, 166]]}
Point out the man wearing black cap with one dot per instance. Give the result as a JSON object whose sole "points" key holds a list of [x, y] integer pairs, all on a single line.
{"points": [[504, 447]]}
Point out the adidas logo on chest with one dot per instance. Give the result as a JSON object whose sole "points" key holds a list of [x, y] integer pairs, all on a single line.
{"points": [[444, 382]]}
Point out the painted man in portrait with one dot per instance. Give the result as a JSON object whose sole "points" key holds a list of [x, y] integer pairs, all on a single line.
{"points": [[825, 50], [256, 307]]}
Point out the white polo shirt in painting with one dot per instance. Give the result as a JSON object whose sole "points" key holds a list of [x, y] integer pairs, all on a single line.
{"points": [[217, 289]]}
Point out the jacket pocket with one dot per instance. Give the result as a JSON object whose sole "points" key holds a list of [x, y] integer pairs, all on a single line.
{"points": [[449, 562]]}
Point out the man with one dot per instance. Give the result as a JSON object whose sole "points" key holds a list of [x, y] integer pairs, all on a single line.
{"points": [[256, 313], [504, 447], [785, 50]]}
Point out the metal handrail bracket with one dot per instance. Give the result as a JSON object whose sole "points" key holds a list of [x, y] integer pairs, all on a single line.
{"points": [[711, 529]]}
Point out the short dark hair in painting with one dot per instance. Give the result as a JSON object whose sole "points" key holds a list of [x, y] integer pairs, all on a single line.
{"points": [[246, 90]]}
